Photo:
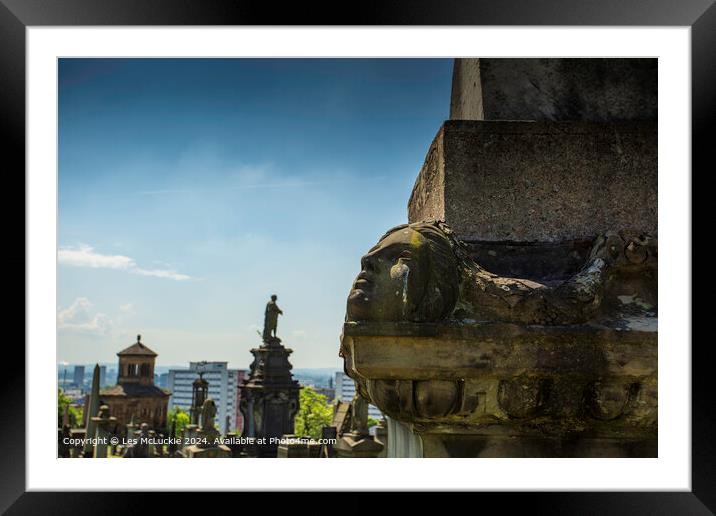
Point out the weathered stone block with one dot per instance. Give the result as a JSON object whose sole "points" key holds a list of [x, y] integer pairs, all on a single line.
{"points": [[539, 181], [353, 446], [293, 446], [196, 452], [554, 89]]}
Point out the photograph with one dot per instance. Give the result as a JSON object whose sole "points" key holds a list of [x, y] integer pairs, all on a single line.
{"points": [[448, 257], [424, 237]]}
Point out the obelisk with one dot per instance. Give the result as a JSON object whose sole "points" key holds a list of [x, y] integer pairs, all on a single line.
{"points": [[93, 406]]}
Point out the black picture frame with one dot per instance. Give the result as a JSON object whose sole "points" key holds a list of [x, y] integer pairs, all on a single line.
{"points": [[17, 15]]}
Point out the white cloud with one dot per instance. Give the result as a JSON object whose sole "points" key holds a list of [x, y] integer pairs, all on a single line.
{"points": [[86, 256], [160, 273], [78, 318], [127, 308]]}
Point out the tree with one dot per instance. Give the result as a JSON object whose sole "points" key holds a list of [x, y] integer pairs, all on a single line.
{"points": [[314, 413], [182, 419], [75, 413]]}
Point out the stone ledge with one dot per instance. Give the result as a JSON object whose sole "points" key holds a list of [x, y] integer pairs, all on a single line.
{"points": [[495, 380], [456, 351]]}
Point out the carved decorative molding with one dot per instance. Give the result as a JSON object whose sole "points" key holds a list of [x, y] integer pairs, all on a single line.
{"points": [[438, 342]]}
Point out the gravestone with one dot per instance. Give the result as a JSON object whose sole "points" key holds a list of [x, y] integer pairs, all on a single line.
{"points": [[357, 442], [209, 445], [63, 434], [138, 448], [104, 423]]}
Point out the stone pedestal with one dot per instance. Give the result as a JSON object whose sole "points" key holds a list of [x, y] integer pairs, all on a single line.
{"points": [[213, 452], [296, 447], [353, 446], [104, 423], [292, 451], [190, 431], [77, 434], [232, 441], [269, 398], [381, 437], [209, 443]]}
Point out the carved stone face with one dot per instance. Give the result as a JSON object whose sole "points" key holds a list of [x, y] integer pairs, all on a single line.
{"points": [[404, 278], [391, 278]]}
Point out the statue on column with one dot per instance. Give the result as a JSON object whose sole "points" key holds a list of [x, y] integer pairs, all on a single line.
{"points": [[271, 319]]}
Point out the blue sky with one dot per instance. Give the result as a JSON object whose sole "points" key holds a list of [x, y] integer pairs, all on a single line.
{"points": [[190, 190]]}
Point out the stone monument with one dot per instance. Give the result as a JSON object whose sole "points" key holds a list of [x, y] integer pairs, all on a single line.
{"points": [[515, 315], [173, 444], [269, 396], [63, 434], [104, 424], [91, 410], [357, 442], [209, 437], [138, 448]]}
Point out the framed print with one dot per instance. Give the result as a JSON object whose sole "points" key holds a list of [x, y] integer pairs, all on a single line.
{"points": [[428, 237]]}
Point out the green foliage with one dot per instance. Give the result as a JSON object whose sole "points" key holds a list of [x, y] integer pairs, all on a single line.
{"points": [[372, 422], [314, 413], [75, 412], [182, 419]]}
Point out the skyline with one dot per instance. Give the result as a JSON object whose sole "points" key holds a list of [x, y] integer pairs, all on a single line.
{"points": [[190, 190]]}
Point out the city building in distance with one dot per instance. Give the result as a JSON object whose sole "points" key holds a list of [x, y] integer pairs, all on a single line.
{"points": [[345, 389], [223, 389], [79, 376]]}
